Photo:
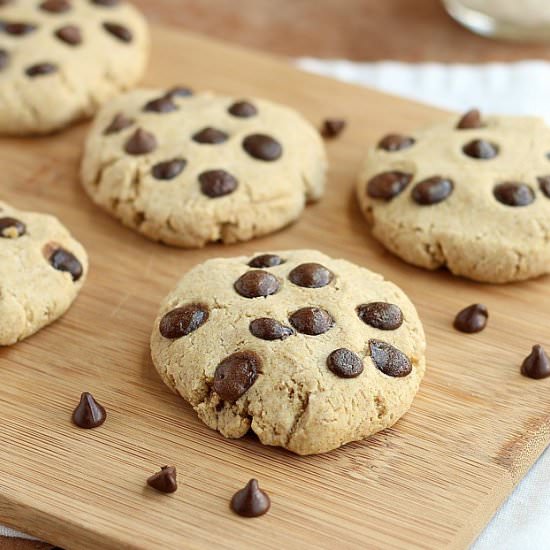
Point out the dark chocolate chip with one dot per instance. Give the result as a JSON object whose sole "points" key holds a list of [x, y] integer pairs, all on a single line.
{"points": [[544, 184], [236, 374], [18, 28], [106, 3], [251, 501], [262, 147], [141, 142], [311, 321], [120, 122], [89, 413], [11, 228], [70, 34], [122, 33], [389, 359], [266, 328], [432, 190], [63, 260], [256, 283], [480, 149], [266, 260], [4, 58], [183, 320], [162, 104], [217, 183], [514, 194], [381, 315], [164, 481], [470, 120], [536, 365], [332, 127], [388, 185], [55, 6], [210, 136], [344, 363], [169, 169], [179, 91], [242, 109], [311, 275], [396, 142], [471, 319], [41, 69]]}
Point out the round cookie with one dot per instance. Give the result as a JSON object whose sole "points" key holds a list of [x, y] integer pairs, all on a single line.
{"points": [[61, 59], [191, 169], [471, 194], [307, 351], [42, 269]]}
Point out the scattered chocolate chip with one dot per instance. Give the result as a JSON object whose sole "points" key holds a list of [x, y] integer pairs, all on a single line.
{"points": [[236, 374], [105, 3], [4, 59], [179, 91], [120, 122], [536, 365], [471, 319], [470, 120], [389, 359], [381, 315], [332, 127], [55, 6], [388, 185], [514, 194], [18, 28], [262, 147], [162, 104], [256, 283], [312, 321], [396, 142], [122, 33], [432, 190], [242, 109], [89, 413], [311, 275], [11, 228], [41, 69], [251, 501], [70, 34], [480, 149], [184, 320], [165, 480], [217, 183], [345, 363], [544, 181], [266, 328], [210, 136], [63, 260], [169, 169], [141, 142], [266, 260]]}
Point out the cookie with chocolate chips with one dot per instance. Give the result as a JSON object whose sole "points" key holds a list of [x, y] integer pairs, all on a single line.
{"points": [[307, 351], [188, 169], [42, 269], [61, 59], [471, 194]]}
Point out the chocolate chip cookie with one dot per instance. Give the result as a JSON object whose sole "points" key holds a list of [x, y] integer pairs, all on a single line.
{"points": [[42, 269], [471, 194], [190, 169], [307, 351]]}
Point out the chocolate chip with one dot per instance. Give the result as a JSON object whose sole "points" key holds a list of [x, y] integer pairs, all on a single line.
{"points": [[396, 142], [18, 28], [536, 365], [122, 33], [262, 147], [236, 374], [344, 363], [266, 260], [41, 69], [11, 228], [251, 501], [106, 3], [332, 127], [311, 275], [141, 142], [63, 260], [4, 59], [432, 190], [311, 321], [217, 183], [242, 109], [388, 185], [120, 122], [544, 182], [470, 120], [89, 413], [514, 194], [389, 359], [70, 34], [165, 480], [480, 149], [210, 136], [381, 315], [471, 319], [266, 328], [179, 91], [184, 320], [169, 169], [55, 6], [162, 104], [256, 283]]}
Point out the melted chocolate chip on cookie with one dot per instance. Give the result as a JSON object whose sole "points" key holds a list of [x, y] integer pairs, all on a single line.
{"points": [[388, 185], [162, 104], [169, 169], [344, 363], [179, 91], [514, 194], [63, 260], [432, 190], [256, 283], [141, 142], [18, 28], [12, 228], [41, 69], [388, 359], [55, 6], [470, 120], [120, 32], [120, 122], [70, 34], [381, 315], [266, 328], [312, 321], [480, 149], [266, 260], [183, 320], [544, 185], [217, 183], [236, 374], [311, 275], [210, 136], [262, 147], [242, 109], [395, 142]]}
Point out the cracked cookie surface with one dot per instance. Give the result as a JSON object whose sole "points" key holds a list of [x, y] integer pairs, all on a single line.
{"points": [[307, 351], [471, 194], [61, 59], [42, 269], [190, 169]]}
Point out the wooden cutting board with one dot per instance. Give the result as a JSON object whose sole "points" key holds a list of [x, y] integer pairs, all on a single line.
{"points": [[432, 481]]}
